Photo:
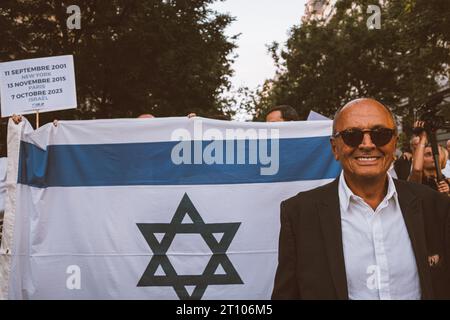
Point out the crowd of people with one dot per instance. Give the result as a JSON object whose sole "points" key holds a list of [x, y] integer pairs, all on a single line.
{"points": [[417, 163]]}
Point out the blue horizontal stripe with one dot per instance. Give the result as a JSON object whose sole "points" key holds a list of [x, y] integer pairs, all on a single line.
{"points": [[151, 164]]}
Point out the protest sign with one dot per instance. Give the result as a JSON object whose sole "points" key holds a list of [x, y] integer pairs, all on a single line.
{"points": [[37, 85]]}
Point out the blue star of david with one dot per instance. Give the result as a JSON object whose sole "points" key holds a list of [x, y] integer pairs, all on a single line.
{"points": [[218, 257]]}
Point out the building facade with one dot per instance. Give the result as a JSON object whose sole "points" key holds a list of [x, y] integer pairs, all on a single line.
{"points": [[319, 10]]}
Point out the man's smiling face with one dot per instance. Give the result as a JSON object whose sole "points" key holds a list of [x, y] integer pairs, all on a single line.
{"points": [[366, 161]]}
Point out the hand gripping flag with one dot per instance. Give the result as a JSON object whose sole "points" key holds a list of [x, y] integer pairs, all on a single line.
{"points": [[169, 208]]}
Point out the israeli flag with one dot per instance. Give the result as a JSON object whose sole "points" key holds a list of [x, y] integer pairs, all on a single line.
{"points": [[170, 208]]}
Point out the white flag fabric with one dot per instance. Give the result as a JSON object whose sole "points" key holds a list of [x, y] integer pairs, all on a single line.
{"points": [[169, 208]]}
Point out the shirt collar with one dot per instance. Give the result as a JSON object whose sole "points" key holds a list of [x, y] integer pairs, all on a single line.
{"points": [[346, 195]]}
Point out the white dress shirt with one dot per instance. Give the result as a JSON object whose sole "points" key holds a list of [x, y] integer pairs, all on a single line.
{"points": [[379, 259], [392, 172]]}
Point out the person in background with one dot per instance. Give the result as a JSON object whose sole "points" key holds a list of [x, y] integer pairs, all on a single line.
{"points": [[446, 170], [3, 167], [423, 166], [403, 164], [217, 116], [282, 113]]}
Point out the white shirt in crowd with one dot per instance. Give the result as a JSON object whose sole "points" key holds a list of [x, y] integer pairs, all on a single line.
{"points": [[379, 259]]}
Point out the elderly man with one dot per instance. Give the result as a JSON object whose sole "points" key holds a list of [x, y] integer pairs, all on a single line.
{"points": [[365, 235]]}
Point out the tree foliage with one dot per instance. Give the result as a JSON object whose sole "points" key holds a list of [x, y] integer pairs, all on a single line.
{"points": [[325, 65], [165, 57]]}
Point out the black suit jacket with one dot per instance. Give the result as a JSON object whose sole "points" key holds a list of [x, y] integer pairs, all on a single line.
{"points": [[311, 259]]}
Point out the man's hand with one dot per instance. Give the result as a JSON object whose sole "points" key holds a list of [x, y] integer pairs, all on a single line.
{"points": [[443, 187], [16, 118], [423, 135]]}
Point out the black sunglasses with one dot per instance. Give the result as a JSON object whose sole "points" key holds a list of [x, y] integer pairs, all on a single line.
{"points": [[354, 137]]}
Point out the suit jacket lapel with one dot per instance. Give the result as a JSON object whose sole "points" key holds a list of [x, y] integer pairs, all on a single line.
{"points": [[330, 219], [413, 216]]}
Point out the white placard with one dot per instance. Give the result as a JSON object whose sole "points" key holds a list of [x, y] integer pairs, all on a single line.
{"points": [[44, 84]]}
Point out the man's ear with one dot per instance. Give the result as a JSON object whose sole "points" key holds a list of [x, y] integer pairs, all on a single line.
{"points": [[396, 137], [334, 148]]}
